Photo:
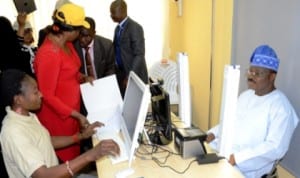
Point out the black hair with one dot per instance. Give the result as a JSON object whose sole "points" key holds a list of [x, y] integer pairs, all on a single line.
{"points": [[9, 46], [10, 85], [121, 4], [6, 27], [92, 23], [58, 27]]}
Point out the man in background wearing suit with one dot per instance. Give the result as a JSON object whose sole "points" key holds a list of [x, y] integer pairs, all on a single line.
{"points": [[100, 49], [129, 45]]}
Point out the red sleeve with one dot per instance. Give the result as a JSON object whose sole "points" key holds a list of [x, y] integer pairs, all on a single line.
{"points": [[47, 66]]}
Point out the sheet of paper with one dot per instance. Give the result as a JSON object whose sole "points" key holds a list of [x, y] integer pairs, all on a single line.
{"points": [[103, 102], [111, 118], [104, 93]]}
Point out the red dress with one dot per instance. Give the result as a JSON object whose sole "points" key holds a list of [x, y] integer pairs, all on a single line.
{"points": [[58, 80]]}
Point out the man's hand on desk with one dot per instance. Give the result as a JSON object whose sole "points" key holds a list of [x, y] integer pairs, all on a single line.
{"points": [[232, 160], [104, 148], [210, 137]]}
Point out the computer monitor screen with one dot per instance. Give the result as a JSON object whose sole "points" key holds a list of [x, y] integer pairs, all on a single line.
{"points": [[135, 107], [127, 116], [161, 114]]}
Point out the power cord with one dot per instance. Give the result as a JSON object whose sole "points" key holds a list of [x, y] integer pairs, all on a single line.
{"points": [[152, 152], [173, 169]]}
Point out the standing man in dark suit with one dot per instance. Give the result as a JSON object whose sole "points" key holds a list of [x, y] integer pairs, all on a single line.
{"points": [[100, 49], [129, 45]]}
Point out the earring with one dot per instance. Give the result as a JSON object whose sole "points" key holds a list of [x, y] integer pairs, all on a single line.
{"points": [[55, 28]]}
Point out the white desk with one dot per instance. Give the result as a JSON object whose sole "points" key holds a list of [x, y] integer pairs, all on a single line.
{"points": [[150, 169]]}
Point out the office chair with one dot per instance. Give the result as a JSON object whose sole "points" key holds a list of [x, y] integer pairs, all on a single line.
{"points": [[167, 71]]}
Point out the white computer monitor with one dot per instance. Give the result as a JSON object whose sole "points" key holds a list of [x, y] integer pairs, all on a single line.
{"points": [[104, 103], [135, 107]]}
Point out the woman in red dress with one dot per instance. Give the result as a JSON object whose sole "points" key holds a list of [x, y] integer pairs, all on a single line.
{"points": [[57, 70]]}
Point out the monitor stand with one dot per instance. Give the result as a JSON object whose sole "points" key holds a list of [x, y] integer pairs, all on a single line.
{"points": [[145, 137]]}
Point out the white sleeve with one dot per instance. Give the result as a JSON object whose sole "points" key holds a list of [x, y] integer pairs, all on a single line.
{"points": [[276, 143]]}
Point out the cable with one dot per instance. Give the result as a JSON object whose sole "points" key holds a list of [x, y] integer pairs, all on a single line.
{"points": [[144, 153], [173, 169]]}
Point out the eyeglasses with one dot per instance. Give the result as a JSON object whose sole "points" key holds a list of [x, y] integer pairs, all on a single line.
{"points": [[257, 74]]}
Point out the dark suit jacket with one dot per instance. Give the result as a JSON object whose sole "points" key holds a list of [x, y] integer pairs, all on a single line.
{"points": [[104, 56], [132, 46]]}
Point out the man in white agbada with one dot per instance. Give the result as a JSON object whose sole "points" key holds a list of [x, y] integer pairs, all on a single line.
{"points": [[265, 119]]}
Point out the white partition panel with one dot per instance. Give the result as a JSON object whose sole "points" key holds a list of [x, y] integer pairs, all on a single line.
{"points": [[228, 108], [185, 113]]}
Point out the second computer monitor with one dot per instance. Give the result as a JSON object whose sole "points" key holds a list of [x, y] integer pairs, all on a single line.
{"points": [[135, 107], [160, 104]]}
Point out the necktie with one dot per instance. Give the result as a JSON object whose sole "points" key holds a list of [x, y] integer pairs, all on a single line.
{"points": [[88, 63], [117, 47], [120, 29]]}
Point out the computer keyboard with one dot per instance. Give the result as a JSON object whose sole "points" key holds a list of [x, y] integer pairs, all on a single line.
{"points": [[123, 151]]}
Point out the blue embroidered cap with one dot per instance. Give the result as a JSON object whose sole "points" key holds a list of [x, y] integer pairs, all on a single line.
{"points": [[264, 56]]}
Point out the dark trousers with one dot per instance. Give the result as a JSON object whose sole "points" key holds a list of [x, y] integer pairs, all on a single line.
{"points": [[122, 80]]}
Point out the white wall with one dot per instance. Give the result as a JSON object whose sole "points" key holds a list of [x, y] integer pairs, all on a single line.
{"points": [[152, 15]]}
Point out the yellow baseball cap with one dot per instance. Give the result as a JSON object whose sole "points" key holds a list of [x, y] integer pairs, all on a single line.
{"points": [[72, 14]]}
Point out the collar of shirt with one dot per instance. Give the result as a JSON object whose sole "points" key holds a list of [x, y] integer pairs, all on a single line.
{"points": [[121, 24]]}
